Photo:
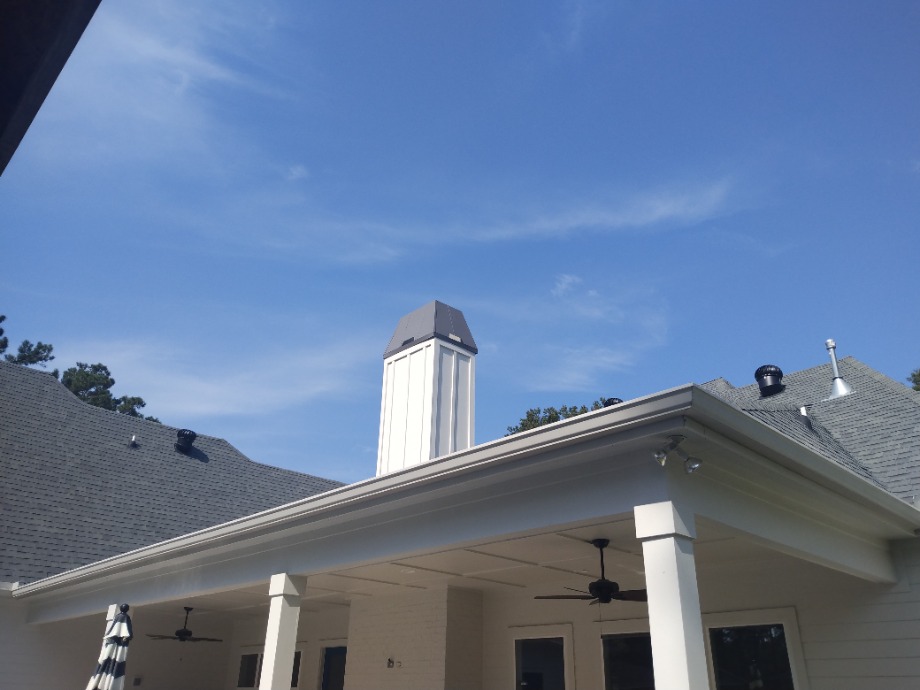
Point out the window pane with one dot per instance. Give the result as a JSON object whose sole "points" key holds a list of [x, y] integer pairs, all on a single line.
{"points": [[295, 674], [751, 657], [249, 667], [540, 663], [628, 662]]}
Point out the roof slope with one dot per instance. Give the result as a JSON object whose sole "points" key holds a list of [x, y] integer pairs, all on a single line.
{"points": [[874, 431], [75, 490]]}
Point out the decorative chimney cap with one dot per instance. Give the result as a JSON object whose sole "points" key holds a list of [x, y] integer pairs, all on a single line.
{"points": [[186, 437], [434, 320], [770, 379]]}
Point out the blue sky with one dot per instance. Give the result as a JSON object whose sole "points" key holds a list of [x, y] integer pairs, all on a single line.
{"points": [[232, 204]]}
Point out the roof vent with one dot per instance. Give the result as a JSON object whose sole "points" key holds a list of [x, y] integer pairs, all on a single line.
{"points": [[770, 379], [610, 402], [839, 387], [186, 437]]}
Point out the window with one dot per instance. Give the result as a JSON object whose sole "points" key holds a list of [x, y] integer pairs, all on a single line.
{"points": [[746, 650], [540, 663], [251, 670], [542, 657], [755, 650], [750, 657], [628, 662]]}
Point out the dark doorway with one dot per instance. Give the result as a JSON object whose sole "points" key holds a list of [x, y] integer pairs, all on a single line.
{"points": [[334, 668]]}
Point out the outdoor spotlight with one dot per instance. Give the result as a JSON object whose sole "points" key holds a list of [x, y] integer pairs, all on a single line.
{"points": [[692, 464], [661, 455]]}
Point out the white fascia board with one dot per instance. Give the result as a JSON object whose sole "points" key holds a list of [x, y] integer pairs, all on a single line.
{"points": [[659, 414], [712, 413]]}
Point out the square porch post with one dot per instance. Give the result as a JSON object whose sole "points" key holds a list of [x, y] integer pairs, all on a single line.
{"points": [[281, 635], [675, 621]]}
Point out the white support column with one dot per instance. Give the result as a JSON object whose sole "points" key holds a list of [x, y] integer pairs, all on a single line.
{"points": [[675, 622], [281, 636]]}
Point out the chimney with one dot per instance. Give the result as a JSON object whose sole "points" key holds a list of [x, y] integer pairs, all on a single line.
{"points": [[839, 387], [428, 388]]}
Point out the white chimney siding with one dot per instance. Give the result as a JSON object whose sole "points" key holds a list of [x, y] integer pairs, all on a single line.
{"points": [[428, 390]]}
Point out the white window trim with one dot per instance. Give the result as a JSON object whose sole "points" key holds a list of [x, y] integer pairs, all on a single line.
{"points": [[783, 616], [532, 632]]}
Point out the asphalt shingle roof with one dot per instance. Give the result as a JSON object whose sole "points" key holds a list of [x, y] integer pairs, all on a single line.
{"points": [[874, 432], [73, 490]]}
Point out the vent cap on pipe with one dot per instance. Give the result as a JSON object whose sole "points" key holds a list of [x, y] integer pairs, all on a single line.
{"points": [[770, 379], [839, 387], [184, 440]]}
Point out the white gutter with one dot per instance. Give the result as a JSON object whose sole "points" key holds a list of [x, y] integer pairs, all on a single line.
{"points": [[687, 407], [617, 420]]}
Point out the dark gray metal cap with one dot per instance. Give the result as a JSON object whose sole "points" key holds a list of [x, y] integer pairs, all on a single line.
{"points": [[434, 320]]}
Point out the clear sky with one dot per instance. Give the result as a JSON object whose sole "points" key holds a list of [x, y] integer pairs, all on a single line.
{"points": [[231, 204]]}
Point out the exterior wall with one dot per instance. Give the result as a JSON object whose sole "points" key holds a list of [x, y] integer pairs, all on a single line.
{"points": [[315, 632], [64, 655], [867, 637], [851, 634], [463, 669], [412, 631]]}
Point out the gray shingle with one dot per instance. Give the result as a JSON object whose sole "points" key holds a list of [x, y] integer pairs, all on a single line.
{"points": [[874, 432], [74, 491]]}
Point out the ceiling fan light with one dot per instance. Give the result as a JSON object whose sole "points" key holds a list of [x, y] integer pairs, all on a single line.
{"points": [[692, 464]]}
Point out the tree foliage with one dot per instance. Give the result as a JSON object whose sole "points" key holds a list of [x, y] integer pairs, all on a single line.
{"points": [[92, 383], [914, 379], [27, 354], [536, 416]]}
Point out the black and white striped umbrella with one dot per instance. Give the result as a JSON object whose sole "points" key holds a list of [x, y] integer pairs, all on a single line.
{"points": [[110, 671]]}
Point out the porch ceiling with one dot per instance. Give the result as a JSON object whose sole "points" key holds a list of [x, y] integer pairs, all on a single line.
{"points": [[524, 566]]}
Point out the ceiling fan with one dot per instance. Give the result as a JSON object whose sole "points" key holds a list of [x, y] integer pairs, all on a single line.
{"points": [[184, 634], [602, 591]]}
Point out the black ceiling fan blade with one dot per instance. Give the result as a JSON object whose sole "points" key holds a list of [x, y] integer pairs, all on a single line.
{"points": [[631, 595], [202, 639], [572, 589], [583, 597], [162, 637]]}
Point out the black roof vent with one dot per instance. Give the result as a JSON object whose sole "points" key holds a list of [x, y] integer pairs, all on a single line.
{"points": [[770, 379], [610, 402], [186, 437]]}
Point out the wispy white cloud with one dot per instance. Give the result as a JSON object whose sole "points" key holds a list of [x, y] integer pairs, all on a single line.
{"points": [[643, 210], [579, 333], [580, 368], [141, 86], [177, 384], [565, 283], [299, 226]]}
